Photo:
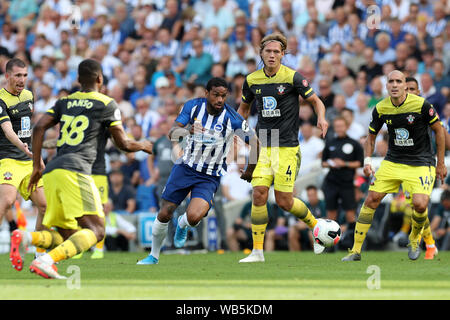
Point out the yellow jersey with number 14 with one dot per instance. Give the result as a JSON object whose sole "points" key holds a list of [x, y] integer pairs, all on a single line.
{"points": [[83, 116]]}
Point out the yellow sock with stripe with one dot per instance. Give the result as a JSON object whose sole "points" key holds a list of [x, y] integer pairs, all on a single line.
{"points": [[362, 226], [418, 220], [100, 244], [259, 218], [79, 242], [46, 239], [427, 235], [301, 211]]}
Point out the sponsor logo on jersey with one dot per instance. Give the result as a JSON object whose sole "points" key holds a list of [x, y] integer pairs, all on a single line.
{"points": [[7, 175], [270, 107], [402, 138]]}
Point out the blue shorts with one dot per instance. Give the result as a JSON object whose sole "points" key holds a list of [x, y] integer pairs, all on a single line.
{"points": [[184, 179]]}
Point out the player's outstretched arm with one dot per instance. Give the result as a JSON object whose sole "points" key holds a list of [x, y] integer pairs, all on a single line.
{"points": [[14, 139], [45, 122], [441, 169], [319, 109], [126, 144]]}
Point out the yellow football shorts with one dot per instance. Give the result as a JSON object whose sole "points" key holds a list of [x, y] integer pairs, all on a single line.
{"points": [[17, 173], [277, 165], [101, 181], [414, 179], [70, 195]]}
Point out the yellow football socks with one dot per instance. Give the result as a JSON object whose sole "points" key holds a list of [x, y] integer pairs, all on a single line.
{"points": [[301, 211], [79, 242], [417, 223], [100, 244], [426, 234], [46, 239], [362, 226], [259, 219]]}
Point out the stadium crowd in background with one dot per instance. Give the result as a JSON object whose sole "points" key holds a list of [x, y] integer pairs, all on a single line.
{"points": [[157, 54]]}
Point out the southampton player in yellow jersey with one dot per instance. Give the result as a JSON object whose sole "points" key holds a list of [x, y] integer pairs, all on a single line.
{"points": [[410, 159], [73, 201], [276, 89], [16, 110]]}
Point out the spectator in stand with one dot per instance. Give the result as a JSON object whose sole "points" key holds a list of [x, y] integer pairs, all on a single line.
{"points": [[401, 54], [166, 45], [355, 129], [220, 16], [237, 63], [117, 93], [123, 195], [145, 117], [363, 114], [384, 52], [22, 13], [396, 33], [441, 81], [45, 100], [440, 223], [198, 69], [311, 147], [376, 87], [311, 43], [325, 92], [141, 89], [172, 19], [372, 68], [118, 231], [232, 186], [429, 92], [8, 38], [348, 86], [41, 48]]}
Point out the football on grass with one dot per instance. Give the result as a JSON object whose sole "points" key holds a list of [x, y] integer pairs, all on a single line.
{"points": [[327, 232]]}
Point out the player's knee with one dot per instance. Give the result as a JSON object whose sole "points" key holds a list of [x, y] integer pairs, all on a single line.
{"points": [[285, 203], [194, 218], [373, 200], [99, 233], [420, 207], [260, 196]]}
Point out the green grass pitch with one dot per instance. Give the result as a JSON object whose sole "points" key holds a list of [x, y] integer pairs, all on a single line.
{"points": [[211, 276]]}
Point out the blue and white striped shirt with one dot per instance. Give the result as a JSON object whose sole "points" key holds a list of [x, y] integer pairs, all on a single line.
{"points": [[339, 34], [435, 28], [206, 152]]}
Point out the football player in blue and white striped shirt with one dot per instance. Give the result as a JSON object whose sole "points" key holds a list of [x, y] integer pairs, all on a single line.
{"points": [[207, 126]]}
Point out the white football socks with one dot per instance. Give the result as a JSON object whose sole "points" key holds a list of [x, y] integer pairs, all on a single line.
{"points": [[159, 232]]}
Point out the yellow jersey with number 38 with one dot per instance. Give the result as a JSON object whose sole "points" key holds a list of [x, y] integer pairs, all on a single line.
{"points": [[83, 116]]}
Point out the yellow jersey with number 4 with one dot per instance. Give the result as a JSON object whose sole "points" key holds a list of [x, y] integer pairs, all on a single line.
{"points": [[83, 116]]}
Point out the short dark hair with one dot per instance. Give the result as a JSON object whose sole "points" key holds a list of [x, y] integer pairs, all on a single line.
{"points": [[14, 62], [445, 195], [88, 71], [216, 82], [411, 79], [311, 186]]}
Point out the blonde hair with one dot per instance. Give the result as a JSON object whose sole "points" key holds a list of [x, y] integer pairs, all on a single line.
{"points": [[274, 37]]}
